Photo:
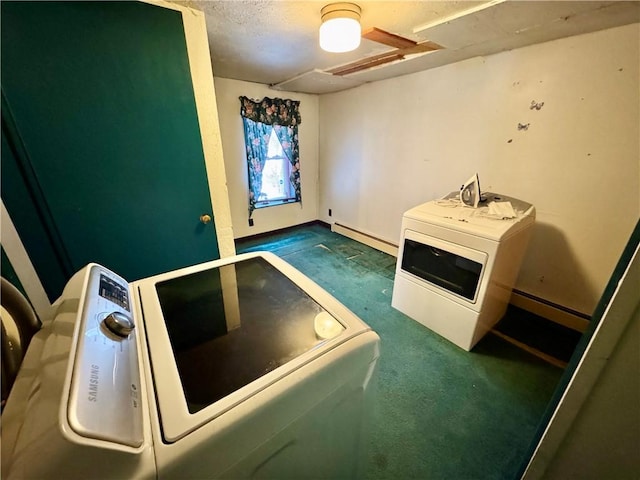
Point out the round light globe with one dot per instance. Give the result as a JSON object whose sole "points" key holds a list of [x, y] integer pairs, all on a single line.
{"points": [[338, 35]]}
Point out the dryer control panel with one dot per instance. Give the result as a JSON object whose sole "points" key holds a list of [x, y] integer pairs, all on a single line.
{"points": [[105, 401]]}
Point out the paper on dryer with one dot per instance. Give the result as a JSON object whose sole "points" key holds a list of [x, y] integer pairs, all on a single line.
{"points": [[502, 210]]}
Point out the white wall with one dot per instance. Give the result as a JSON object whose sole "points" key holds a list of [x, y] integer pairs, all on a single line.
{"points": [[391, 145], [281, 216], [594, 432]]}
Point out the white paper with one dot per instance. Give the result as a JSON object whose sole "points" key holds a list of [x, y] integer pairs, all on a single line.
{"points": [[502, 210]]}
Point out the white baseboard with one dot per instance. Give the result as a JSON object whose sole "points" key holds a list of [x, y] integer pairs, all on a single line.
{"points": [[365, 238], [550, 312]]}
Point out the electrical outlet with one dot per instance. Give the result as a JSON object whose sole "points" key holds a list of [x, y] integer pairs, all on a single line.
{"points": [[329, 212]]}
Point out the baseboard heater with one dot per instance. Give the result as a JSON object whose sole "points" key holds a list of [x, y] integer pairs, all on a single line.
{"points": [[543, 308], [366, 238], [551, 311]]}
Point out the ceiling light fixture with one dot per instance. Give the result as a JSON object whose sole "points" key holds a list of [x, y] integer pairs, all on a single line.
{"points": [[340, 29]]}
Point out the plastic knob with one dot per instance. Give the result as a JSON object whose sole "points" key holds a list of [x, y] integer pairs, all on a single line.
{"points": [[119, 324]]}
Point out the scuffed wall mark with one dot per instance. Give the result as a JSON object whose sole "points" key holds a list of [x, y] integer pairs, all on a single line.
{"points": [[510, 140], [536, 105], [620, 69], [523, 126]]}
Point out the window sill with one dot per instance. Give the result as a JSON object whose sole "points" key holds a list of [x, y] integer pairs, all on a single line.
{"points": [[273, 203]]}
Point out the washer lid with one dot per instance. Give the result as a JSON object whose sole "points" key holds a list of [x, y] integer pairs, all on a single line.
{"points": [[223, 331]]}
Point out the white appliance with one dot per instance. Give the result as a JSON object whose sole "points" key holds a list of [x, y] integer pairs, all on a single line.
{"points": [[237, 368], [457, 265]]}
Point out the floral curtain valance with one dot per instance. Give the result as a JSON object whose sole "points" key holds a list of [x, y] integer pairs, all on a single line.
{"points": [[271, 111]]}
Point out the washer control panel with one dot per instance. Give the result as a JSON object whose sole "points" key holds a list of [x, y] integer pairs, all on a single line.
{"points": [[105, 401]]}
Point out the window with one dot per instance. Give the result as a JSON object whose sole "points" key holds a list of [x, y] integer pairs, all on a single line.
{"points": [[273, 157], [276, 176]]}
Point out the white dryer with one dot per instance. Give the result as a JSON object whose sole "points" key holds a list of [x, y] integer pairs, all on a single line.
{"points": [[237, 368], [457, 265]]}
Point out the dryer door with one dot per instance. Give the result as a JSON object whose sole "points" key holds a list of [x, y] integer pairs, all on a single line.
{"points": [[449, 266]]}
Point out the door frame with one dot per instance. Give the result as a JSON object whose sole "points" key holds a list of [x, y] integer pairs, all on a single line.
{"points": [[195, 29]]}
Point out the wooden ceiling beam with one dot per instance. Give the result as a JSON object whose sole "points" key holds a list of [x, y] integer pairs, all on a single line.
{"points": [[391, 39], [365, 64], [382, 58]]}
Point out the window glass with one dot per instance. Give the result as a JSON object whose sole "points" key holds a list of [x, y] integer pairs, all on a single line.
{"points": [[276, 184]]}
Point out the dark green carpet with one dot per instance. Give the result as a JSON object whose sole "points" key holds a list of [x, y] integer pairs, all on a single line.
{"points": [[440, 412]]}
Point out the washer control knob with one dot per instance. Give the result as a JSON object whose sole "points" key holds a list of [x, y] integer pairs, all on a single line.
{"points": [[118, 324]]}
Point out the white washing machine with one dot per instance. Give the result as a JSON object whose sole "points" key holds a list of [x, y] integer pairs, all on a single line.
{"points": [[457, 265], [237, 368]]}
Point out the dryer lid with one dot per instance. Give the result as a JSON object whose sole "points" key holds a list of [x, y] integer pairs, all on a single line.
{"points": [[451, 213]]}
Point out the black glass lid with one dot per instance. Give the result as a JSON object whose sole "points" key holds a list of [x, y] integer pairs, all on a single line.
{"points": [[230, 325]]}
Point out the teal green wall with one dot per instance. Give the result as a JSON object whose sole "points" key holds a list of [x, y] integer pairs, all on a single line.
{"points": [[104, 159]]}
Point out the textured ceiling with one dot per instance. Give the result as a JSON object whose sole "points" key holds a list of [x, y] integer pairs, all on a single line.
{"points": [[276, 41]]}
